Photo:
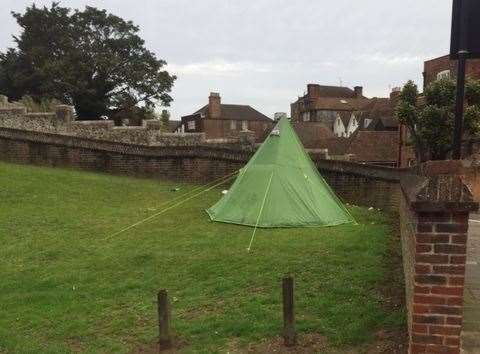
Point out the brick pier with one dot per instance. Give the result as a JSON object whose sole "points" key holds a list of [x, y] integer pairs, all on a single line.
{"points": [[434, 217]]}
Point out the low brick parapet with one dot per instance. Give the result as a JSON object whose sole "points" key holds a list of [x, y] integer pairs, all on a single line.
{"points": [[434, 226]]}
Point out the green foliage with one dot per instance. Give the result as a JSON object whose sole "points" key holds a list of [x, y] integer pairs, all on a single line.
{"points": [[165, 119], [66, 287], [430, 118], [44, 105], [91, 59]]}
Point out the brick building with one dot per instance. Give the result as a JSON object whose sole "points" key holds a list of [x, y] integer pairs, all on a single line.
{"points": [[445, 67], [224, 121], [333, 106]]}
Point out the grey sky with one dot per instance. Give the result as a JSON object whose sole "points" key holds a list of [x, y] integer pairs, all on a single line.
{"points": [[264, 52]]}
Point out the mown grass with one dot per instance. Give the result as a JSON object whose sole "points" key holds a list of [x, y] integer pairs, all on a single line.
{"points": [[66, 287]]}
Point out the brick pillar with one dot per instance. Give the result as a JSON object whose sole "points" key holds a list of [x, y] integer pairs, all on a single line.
{"points": [[439, 210]]}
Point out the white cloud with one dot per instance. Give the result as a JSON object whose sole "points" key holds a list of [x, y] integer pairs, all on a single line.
{"points": [[218, 67]]}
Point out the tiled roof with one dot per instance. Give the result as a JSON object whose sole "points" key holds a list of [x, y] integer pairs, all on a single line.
{"points": [[237, 112], [335, 91], [374, 146], [310, 133], [340, 104], [364, 146], [382, 113]]}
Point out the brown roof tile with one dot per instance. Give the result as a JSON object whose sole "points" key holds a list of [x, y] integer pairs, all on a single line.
{"points": [[237, 112], [335, 91], [374, 146], [311, 133], [340, 104]]}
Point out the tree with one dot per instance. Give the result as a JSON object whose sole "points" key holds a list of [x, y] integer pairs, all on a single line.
{"points": [[430, 118], [90, 59], [165, 119]]}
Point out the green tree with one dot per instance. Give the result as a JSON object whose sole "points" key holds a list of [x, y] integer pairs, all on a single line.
{"points": [[165, 119], [430, 117], [90, 59]]}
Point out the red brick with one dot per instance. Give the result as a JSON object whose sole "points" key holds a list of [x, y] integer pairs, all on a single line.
{"points": [[431, 279], [447, 290], [419, 328], [459, 238], [434, 217], [420, 309], [421, 289], [455, 301], [451, 228], [458, 259], [454, 320], [461, 218], [456, 281], [452, 341], [417, 348], [446, 310], [423, 248], [431, 258], [445, 330], [457, 269], [426, 339], [428, 319], [423, 269], [432, 238], [435, 300], [450, 249], [422, 227]]}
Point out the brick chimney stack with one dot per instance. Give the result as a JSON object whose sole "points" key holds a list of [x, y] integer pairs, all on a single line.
{"points": [[395, 93], [214, 108], [358, 91], [313, 90]]}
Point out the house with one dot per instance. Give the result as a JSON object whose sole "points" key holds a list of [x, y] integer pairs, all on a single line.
{"points": [[225, 121], [345, 124], [444, 67], [323, 103], [379, 114]]}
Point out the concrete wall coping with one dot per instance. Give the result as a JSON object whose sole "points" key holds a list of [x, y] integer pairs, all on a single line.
{"points": [[438, 190]]}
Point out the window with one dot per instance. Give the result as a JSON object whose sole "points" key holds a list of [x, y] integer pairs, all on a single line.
{"points": [[367, 122], [191, 125], [233, 125], [445, 74], [306, 116], [244, 125]]}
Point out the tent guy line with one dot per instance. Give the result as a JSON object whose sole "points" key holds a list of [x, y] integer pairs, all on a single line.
{"points": [[260, 212], [225, 179]]}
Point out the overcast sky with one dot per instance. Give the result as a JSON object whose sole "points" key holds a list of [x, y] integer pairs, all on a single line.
{"points": [[264, 52]]}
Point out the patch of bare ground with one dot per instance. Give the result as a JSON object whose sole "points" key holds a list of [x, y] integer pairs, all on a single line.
{"points": [[154, 348], [315, 343]]}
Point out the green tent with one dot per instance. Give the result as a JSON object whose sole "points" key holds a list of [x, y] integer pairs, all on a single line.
{"points": [[280, 187]]}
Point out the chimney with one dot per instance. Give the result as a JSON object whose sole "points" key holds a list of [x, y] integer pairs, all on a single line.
{"points": [[214, 102], [358, 91], [313, 90], [395, 93]]}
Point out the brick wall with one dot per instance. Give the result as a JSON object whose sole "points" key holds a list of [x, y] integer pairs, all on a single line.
{"points": [[355, 183], [433, 67], [434, 213]]}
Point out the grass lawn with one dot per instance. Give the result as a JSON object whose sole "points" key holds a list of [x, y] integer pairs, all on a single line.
{"points": [[66, 287]]}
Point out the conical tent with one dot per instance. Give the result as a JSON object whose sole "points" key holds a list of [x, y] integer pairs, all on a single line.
{"points": [[280, 187]]}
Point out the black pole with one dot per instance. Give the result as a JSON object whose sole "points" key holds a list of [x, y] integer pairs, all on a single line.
{"points": [[458, 130]]}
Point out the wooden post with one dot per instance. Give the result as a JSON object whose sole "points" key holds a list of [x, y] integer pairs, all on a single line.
{"points": [[288, 312], [164, 338]]}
